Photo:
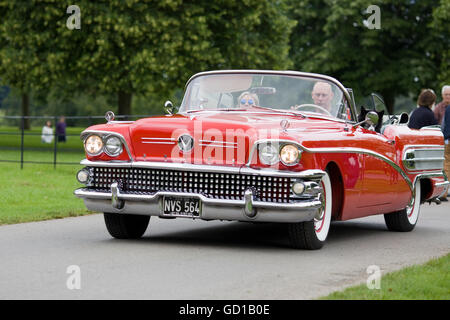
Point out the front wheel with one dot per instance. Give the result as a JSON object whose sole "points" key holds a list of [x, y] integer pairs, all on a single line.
{"points": [[312, 235], [126, 226], [405, 220]]}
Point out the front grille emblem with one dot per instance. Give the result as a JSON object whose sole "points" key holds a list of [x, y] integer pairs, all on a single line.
{"points": [[185, 142]]}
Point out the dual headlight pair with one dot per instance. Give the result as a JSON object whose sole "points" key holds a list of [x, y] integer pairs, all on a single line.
{"points": [[110, 144], [272, 153]]}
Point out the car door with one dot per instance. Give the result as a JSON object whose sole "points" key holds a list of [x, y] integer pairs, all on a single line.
{"points": [[380, 177]]}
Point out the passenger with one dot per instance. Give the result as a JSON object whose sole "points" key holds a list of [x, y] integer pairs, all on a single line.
{"points": [[248, 99], [423, 116]]}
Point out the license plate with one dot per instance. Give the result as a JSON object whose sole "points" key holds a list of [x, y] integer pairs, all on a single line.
{"points": [[181, 207]]}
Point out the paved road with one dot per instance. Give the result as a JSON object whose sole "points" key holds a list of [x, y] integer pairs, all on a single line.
{"points": [[185, 259]]}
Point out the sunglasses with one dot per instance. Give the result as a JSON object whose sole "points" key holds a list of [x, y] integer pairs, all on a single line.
{"points": [[250, 101]]}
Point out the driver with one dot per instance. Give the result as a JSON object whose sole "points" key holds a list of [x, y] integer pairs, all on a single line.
{"points": [[322, 94], [248, 99]]}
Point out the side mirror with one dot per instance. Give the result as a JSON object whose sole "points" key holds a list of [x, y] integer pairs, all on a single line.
{"points": [[169, 108], [372, 118]]}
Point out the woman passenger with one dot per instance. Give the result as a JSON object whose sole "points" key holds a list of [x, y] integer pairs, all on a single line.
{"points": [[248, 99]]}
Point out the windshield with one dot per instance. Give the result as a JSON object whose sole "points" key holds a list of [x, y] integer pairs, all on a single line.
{"points": [[261, 92]]}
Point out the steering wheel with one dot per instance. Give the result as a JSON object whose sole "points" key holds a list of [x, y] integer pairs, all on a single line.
{"points": [[306, 105]]}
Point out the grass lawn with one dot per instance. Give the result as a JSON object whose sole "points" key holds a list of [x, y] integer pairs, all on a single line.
{"points": [[430, 281], [39, 192]]}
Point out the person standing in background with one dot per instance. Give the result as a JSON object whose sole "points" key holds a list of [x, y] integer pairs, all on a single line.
{"points": [[439, 110], [423, 116], [47, 133], [61, 129], [446, 131]]}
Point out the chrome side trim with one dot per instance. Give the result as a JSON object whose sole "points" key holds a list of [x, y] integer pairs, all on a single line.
{"points": [[158, 140], [216, 145], [217, 142], [431, 175], [336, 150], [442, 184], [84, 135]]}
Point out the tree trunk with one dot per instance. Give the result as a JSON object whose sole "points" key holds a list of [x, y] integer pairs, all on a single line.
{"points": [[124, 100], [25, 111], [389, 100]]}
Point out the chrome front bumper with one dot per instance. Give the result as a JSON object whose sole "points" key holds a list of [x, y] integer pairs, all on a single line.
{"points": [[247, 209], [212, 209]]}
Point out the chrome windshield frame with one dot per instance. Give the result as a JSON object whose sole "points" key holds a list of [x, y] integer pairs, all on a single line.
{"points": [[317, 76]]}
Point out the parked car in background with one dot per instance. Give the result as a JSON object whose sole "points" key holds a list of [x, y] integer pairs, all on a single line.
{"points": [[261, 146]]}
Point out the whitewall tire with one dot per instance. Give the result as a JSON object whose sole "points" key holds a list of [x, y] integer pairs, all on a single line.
{"points": [[405, 220], [312, 235]]}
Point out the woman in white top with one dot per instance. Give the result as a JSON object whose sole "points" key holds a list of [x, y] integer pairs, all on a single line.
{"points": [[47, 133]]}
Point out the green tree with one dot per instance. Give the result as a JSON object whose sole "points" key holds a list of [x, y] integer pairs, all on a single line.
{"points": [[27, 59], [133, 47], [441, 49], [333, 37]]}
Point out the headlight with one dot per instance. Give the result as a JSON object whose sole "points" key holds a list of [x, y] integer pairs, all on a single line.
{"points": [[268, 154], [290, 155], [93, 145], [113, 146]]}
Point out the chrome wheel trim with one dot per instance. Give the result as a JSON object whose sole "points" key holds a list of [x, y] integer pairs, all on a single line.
{"points": [[412, 210], [322, 225]]}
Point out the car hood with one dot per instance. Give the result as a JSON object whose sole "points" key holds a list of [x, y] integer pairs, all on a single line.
{"points": [[219, 138]]}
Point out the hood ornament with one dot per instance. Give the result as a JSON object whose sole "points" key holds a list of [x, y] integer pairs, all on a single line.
{"points": [[109, 116], [284, 124]]}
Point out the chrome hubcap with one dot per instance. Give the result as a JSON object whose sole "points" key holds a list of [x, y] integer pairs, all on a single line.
{"points": [[321, 211]]}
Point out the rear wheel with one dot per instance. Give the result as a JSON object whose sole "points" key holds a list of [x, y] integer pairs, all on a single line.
{"points": [[405, 220], [126, 226], [312, 235]]}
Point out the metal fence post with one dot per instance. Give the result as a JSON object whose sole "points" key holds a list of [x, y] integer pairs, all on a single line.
{"points": [[22, 129], [55, 145]]}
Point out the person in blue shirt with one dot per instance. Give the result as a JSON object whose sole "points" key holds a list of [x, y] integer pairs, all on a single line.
{"points": [[423, 116], [446, 131]]}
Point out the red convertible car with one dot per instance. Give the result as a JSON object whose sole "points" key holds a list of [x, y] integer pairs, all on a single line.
{"points": [[262, 146]]}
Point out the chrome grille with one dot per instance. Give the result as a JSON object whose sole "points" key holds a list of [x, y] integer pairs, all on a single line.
{"points": [[213, 185]]}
